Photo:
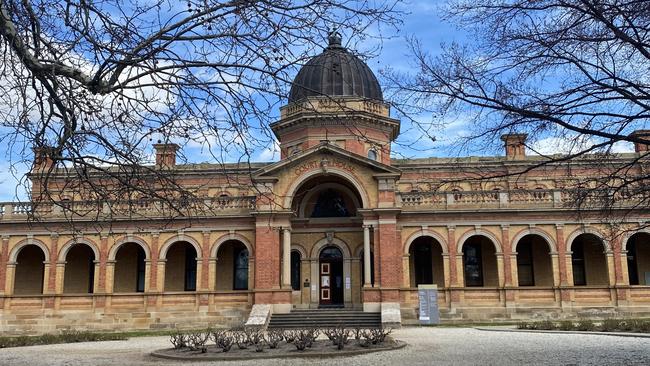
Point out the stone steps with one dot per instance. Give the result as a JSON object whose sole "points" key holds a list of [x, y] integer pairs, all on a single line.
{"points": [[325, 318]]}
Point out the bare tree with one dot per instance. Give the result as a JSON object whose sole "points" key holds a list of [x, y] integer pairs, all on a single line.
{"points": [[562, 70], [90, 85]]}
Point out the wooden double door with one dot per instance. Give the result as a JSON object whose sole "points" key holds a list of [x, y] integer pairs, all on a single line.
{"points": [[331, 280]]}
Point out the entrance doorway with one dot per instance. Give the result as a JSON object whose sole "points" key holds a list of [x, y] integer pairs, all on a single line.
{"points": [[331, 277]]}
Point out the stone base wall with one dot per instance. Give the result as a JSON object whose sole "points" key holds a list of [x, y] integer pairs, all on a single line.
{"points": [[31, 315], [512, 305]]}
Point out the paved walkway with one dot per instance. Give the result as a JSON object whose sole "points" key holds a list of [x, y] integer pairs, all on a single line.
{"points": [[427, 346]]}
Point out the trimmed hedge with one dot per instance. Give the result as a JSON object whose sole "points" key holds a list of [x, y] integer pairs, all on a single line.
{"points": [[64, 337], [607, 325]]}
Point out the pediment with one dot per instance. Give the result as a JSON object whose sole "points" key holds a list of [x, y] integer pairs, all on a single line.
{"points": [[324, 156]]}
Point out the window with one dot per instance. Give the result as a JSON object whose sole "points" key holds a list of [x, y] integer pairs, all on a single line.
{"points": [[295, 270], [240, 268], [578, 263], [525, 264], [372, 154], [473, 264], [190, 268], [330, 203]]}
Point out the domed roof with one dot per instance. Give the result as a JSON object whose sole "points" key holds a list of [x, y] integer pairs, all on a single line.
{"points": [[335, 72]]}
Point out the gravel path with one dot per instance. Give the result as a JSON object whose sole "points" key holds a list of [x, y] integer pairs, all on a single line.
{"points": [[427, 346]]}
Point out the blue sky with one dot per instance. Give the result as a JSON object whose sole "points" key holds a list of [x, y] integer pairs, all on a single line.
{"points": [[421, 19]]}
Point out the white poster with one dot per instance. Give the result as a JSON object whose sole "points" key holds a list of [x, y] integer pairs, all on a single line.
{"points": [[347, 283]]}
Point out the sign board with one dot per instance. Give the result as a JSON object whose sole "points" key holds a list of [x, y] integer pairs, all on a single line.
{"points": [[428, 300]]}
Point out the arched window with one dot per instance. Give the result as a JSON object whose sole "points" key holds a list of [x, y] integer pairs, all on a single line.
{"points": [[240, 275], [372, 154], [330, 203], [295, 270], [534, 266]]}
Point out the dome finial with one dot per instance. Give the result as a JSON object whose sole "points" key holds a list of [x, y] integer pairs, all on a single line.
{"points": [[334, 38]]}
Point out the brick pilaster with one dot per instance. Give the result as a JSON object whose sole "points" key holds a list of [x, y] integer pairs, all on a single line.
{"points": [[103, 257], [507, 254], [4, 257], [205, 260], [153, 267], [391, 257], [54, 259], [451, 243], [561, 250]]}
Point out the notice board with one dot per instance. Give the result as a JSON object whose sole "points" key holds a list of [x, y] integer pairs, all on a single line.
{"points": [[428, 300]]}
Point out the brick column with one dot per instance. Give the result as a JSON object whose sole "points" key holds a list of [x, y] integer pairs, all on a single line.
{"points": [[391, 254], [268, 264], [561, 251], [54, 259], [4, 256], [451, 243], [153, 267], [507, 254], [205, 261], [103, 254]]}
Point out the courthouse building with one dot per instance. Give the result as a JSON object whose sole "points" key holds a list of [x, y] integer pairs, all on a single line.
{"points": [[336, 222]]}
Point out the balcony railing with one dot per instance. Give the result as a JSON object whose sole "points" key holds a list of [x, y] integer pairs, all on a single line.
{"points": [[216, 206], [518, 199]]}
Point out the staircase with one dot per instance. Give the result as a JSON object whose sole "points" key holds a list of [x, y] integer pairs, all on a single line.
{"points": [[325, 318]]}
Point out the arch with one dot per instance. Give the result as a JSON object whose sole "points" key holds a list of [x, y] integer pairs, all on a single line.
{"points": [[607, 248], [129, 269], [321, 187], [179, 238], [589, 253], [63, 253], [629, 234], [418, 234], [29, 275], [324, 242], [129, 239], [479, 232], [305, 177], [13, 255], [637, 258], [300, 249], [552, 245], [231, 236]]}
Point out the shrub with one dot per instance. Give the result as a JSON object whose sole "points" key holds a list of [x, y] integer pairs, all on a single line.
{"points": [[566, 325], [610, 325], [65, 337], [585, 325], [545, 325], [523, 325]]}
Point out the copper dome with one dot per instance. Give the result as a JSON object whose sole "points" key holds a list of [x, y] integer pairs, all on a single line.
{"points": [[335, 72]]}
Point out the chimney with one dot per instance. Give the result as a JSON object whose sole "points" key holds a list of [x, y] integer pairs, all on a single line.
{"points": [[641, 147], [514, 144], [165, 154], [43, 159]]}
